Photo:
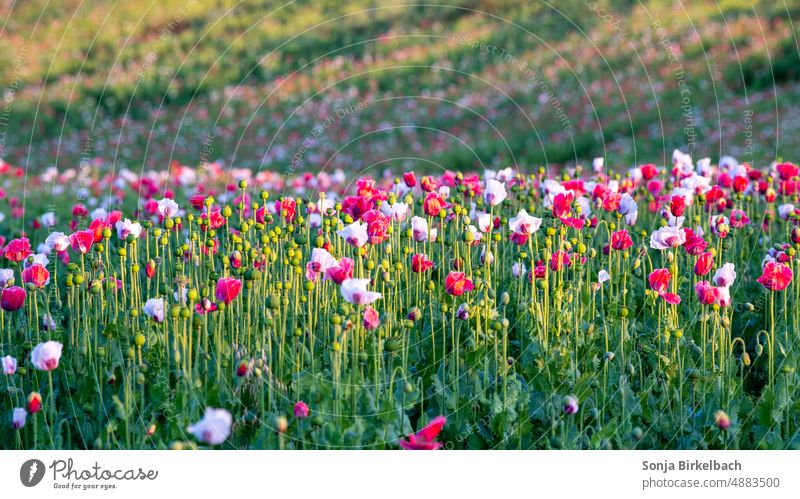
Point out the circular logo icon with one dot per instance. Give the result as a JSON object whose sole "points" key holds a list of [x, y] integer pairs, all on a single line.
{"points": [[31, 472]]}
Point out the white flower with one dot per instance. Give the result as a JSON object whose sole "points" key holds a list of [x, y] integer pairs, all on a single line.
{"points": [[180, 296], [628, 209], [6, 277], [674, 221], [18, 418], [9, 365], [321, 260], [99, 213], [127, 228], [603, 276], [355, 292], [725, 275], [667, 237], [495, 192], [597, 164], [518, 269], [38, 258], [396, 211], [524, 223], [585, 206], [419, 229], [48, 323], [785, 210], [214, 428], [487, 258], [49, 219], [485, 222], [58, 241], [355, 234], [46, 355], [167, 208], [154, 308]]}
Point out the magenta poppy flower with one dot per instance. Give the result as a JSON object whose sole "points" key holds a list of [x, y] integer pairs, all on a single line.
{"points": [[18, 249], [81, 241], [775, 276], [620, 240], [228, 289], [340, 272], [12, 298], [559, 260], [300, 410], [425, 439]]}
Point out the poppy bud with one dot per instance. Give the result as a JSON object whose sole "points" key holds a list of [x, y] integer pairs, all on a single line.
{"points": [[34, 402]]}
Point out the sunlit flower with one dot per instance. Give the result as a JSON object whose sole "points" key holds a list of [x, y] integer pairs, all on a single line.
{"points": [[457, 284]]}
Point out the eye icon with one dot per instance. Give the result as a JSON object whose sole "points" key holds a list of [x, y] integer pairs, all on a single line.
{"points": [[31, 472]]}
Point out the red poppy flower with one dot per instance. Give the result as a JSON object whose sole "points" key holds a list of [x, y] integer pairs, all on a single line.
{"points": [[433, 204], [97, 227], [649, 171], [457, 284], [677, 205], [420, 263], [704, 263], [561, 204], [36, 274]]}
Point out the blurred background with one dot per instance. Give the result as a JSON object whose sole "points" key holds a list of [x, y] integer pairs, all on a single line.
{"points": [[366, 84]]}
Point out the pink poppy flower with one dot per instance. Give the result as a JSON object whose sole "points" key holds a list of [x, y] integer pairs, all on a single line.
{"points": [[775, 276], [425, 439], [81, 241], [228, 289]]}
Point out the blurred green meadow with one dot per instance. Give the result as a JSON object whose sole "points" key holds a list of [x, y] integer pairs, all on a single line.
{"points": [[469, 84]]}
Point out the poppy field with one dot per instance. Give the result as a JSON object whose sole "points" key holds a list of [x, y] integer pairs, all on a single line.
{"points": [[656, 307]]}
